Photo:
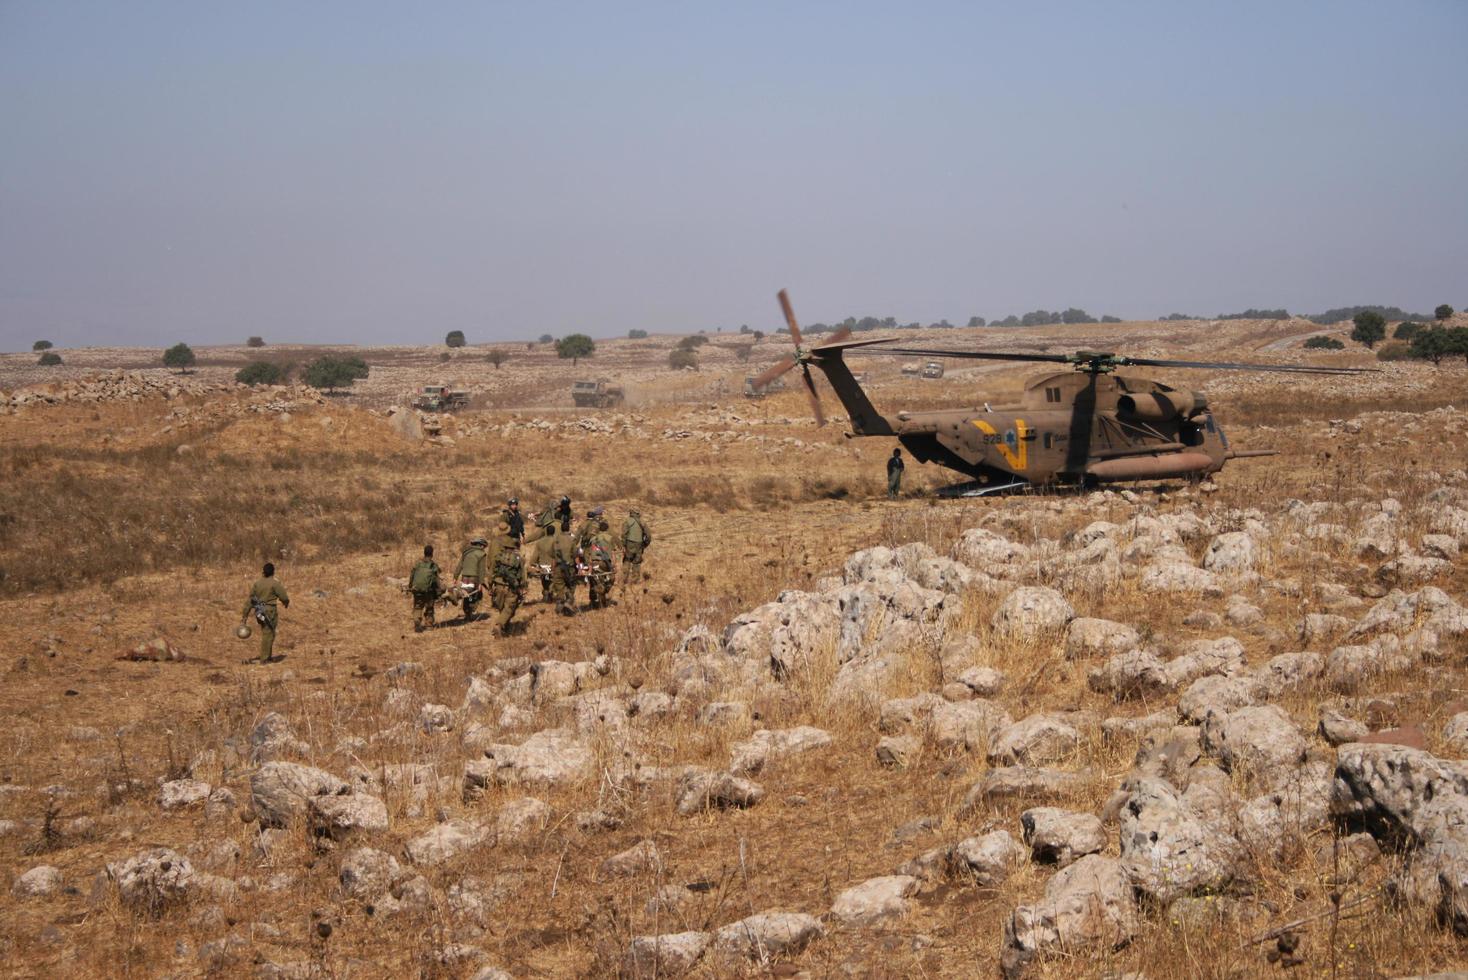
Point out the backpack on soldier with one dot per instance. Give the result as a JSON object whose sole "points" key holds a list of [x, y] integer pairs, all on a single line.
{"points": [[424, 578], [635, 533], [509, 568]]}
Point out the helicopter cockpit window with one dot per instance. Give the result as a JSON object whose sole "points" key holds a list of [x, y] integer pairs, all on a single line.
{"points": [[1190, 434]]}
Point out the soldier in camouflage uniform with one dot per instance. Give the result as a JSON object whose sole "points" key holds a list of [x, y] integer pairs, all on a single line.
{"points": [[599, 561], [563, 577], [507, 581], [587, 530], [423, 583], [543, 538], [473, 568], [635, 539], [264, 595]]}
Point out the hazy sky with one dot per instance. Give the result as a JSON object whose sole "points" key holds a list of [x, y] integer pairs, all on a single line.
{"points": [[386, 172]]}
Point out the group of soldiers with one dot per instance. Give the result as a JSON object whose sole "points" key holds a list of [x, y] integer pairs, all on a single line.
{"points": [[560, 557]]}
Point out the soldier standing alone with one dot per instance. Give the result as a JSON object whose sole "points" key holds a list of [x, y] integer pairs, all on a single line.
{"points": [[264, 595], [515, 519], [894, 474], [635, 539], [423, 583]]}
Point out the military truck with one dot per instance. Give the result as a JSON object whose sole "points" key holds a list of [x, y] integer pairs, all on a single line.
{"points": [[933, 369], [597, 394], [750, 391], [437, 398]]}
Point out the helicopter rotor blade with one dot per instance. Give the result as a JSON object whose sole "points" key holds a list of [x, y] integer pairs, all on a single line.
{"points": [[780, 367], [815, 399], [1237, 366], [977, 355], [790, 317]]}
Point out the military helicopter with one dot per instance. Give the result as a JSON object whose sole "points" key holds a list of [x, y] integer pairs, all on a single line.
{"points": [[1084, 426]]}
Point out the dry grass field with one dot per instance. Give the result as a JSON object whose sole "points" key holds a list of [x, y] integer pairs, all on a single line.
{"points": [[122, 521]]}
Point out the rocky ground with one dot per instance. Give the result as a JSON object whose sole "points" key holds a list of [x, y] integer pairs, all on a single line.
{"points": [[1205, 730]]}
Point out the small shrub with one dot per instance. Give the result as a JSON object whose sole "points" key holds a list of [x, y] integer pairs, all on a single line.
{"points": [[635, 334], [42, 345], [496, 357], [179, 356], [546, 338], [334, 372], [49, 359], [575, 346], [692, 342], [444, 356], [255, 342], [1443, 312], [455, 338], [260, 373], [682, 358], [1393, 351], [1324, 343]]}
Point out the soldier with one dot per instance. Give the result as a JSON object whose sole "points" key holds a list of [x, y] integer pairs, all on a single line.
{"points": [[515, 519], [473, 566], [635, 539], [601, 572], [563, 578], [423, 583], [507, 584], [587, 530], [264, 594], [894, 474], [543, 537]]}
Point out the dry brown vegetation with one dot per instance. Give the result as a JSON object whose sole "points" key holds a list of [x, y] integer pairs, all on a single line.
{"points": [[104, 543]]}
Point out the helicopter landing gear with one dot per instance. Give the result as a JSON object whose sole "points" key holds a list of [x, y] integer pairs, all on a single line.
{"points": [[976, 489]]}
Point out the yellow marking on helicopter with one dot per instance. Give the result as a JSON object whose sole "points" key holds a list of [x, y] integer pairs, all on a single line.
{"points": [[1013, 446]]}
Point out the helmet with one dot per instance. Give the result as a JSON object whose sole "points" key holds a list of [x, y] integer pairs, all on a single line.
{"points": [[243, 632], [481, 542], [513, 501]]}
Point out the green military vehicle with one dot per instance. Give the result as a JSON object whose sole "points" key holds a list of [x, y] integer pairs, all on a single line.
{"points": [[437, 398], [597, 394]]}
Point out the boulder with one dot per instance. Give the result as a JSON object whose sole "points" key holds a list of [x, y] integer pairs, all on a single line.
{"points": [[1168, 850], [1022, 783], [366, 873], [178, 793], [1087, 911], [989, 552], [986, 858], [280, 790], [1177, 576], [1032, 611], [1259, 742], [1231, 553], [1201, 658], [702, 789], [667, 955], [152, 881], [1088, 637], [522, 819], [1061, 837], [1137, 673], [272, 738], [767, 745], [1455, 734], [445, 841], [1338, 729], [551, 758], [874, 900], [1350, 668], [642, 857], [767, 934], [900, 714], [1217, 694], [970, 725], [1297, 807], [898, 751], [339, 816], [39, 882], [1039, 739], [984, 682]]}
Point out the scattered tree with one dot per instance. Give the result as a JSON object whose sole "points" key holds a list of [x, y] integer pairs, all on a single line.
{"points": [[1432, 344], [635, 334], [255, 342], [1074, 315], [1111, 319], [179, 356], [1406, 330], [759, 335], [260, 373], [42, 345], [546, 338], [1324, 343], [1443, 312], [444, 356], [742, 352], [455, 338], [744, 328], [575, 346], [976, 321], [496, 357], [1349, 312], [1179, 316], [682, 357], [49, 359], [1253, 314], [692, 342], [1370, 327], [334, 372]]}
